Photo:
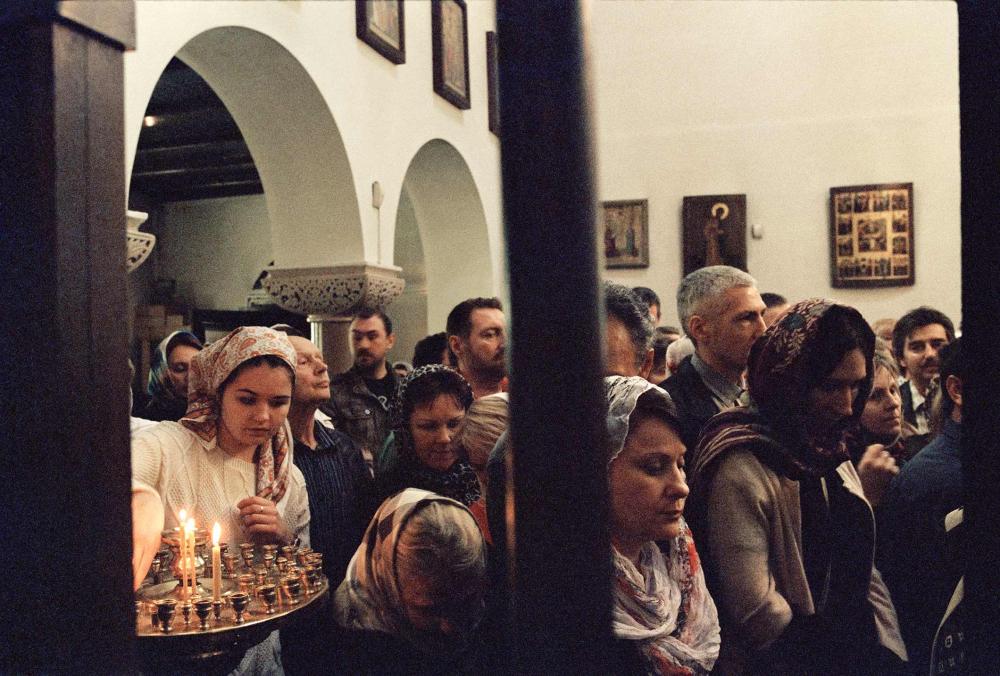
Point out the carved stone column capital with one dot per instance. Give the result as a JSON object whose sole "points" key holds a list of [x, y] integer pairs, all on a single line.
{"points": [[334, 291], [140, 244]]}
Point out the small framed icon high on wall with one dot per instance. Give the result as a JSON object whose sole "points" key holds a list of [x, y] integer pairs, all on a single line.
{"points": [[871, 235]]}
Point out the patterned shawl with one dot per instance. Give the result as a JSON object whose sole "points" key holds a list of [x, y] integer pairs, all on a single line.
{"points": [[663, 603], [210, 368], [775, 428], [158, 385], [458, 482], [370, 597]]}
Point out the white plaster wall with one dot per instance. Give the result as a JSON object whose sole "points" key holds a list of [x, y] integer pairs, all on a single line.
{"points": [[782, 101], [385, 112], [215, 249]]}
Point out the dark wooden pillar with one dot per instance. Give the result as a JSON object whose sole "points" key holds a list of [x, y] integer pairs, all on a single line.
{"points": [[561, 597], [979, 82], [65, 529]]}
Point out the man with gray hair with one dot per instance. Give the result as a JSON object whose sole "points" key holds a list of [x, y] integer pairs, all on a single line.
{"points": [[722, 313]]}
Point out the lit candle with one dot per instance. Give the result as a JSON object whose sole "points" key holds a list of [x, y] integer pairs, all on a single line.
{"points": [[182, 550], [192, 573], [216, 563]]}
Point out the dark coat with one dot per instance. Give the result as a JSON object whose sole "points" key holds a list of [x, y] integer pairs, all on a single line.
{"points": [[693, 400], [357, 412]]}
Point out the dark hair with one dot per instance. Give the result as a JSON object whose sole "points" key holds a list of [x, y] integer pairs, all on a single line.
{"points": [[669, 329], [621, 304], [272, 360], [952, 364], [646, 295], [288, 330], [183, 338], [836, 335], [429, 349], [460, 318], [656, 404], [915, 319], [773, 299], [368, 313], [427, 387]]}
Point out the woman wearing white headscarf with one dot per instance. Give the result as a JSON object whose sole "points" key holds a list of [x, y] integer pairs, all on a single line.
{"points": [[664, 618]]}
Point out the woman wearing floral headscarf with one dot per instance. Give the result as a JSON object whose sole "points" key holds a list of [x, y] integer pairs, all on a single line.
{"points": [[426, 415], [413, 594], [786, 532], [167, 386], [229, 459], [664, 619]]}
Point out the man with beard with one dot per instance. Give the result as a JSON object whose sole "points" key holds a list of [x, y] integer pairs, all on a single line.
{"points": [[916, 340], [722, 313], [476, 336], [359, 405], [341, 495]]}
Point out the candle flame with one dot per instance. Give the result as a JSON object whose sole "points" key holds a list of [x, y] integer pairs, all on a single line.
{"points": [[189, 526], [216, 534], [183, 516]]}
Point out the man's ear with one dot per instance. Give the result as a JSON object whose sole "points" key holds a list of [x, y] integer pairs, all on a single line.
{"points": [[455, 345], [697, 328], [647, 365], [954, 386], [390, 340]]}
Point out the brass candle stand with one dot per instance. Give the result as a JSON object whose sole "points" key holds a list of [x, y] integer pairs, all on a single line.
{"points": [[259, 594]]}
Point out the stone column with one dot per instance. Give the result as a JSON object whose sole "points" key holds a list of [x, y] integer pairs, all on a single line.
{"points": [[329, 297]]}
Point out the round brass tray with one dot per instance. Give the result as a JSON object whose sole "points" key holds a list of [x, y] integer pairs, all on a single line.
{"points": [[223, 636]]}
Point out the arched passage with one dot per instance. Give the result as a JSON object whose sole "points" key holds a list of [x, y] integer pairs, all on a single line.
{"points": [[441, 242], [294, 141]]}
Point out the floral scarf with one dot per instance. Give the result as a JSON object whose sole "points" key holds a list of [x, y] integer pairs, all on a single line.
{"points": [[370, 597], [158, 385], [458, 482], [210, 368], [664, 603], [775, 426]]}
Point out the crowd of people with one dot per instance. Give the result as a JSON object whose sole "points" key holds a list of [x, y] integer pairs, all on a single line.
{"points": [[780, 475]]}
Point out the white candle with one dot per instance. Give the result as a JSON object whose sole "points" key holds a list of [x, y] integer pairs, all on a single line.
{"points": [[192, 573], [216, 563], [182, 551]]}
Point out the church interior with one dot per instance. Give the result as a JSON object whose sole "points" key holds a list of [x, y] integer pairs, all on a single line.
{"points": [[273, 164]]}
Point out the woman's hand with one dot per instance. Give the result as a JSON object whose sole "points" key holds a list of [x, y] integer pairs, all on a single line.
{"points": [[147, 526], [262, 522], [876, 469]]}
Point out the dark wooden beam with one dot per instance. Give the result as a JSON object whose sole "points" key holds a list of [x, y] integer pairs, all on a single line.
{"points": [[562, 571], [979, 92], [192, 155], [64, 462]]}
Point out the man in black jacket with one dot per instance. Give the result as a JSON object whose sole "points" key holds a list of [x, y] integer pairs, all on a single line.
{"points": [[722, 312], [916, 340]]}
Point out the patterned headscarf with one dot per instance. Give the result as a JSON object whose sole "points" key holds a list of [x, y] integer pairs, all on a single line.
{"points": [[459, 482], [664, 603], [158, 385], [370, 597], [210, 368], [781, 371]]}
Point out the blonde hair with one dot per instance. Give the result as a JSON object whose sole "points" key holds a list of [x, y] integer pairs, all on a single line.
{"points": [[484, 422]]}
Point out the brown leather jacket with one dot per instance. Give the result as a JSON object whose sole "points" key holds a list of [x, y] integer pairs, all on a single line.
{"points": [[357, 412]]}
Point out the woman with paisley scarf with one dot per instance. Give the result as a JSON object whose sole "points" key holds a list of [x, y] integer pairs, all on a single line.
{"points": [[413, 595], [167, 386], [664, 619], [785, 530], [228, 460], [426, 415]]}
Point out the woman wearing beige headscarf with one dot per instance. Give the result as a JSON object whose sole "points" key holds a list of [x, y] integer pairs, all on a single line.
{"points": [[229, 459]]}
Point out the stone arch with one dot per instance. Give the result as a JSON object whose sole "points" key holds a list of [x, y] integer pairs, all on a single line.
{"points": [[294, 140], [440, 240]]}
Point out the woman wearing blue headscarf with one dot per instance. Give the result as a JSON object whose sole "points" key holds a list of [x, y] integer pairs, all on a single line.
{"points": [[168, 376]]}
